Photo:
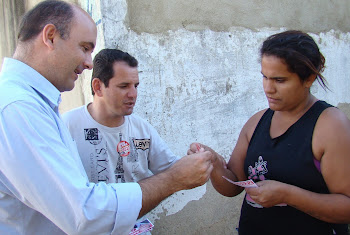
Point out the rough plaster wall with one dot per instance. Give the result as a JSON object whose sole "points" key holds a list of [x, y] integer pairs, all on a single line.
{"points": [[10, 13], [154, 16], [200, 82]]}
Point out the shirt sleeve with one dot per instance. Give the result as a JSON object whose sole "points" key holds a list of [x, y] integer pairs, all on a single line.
{"points": [[128, 194], [41, 167], [160, 155]]}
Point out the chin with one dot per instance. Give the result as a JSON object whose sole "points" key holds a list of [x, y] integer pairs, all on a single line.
{"points": [[273, 107], [68, 88], [276, 108], [128, 113]]}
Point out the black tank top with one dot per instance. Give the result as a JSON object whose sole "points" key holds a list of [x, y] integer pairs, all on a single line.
{"points": [[289, 159]]}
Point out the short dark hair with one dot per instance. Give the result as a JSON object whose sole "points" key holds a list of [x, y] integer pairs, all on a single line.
{"points": [[104, 61], [299, 51], [58, 13]]}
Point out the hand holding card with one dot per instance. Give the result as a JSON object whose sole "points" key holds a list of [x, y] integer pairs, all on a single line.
{"points": [[246, 184]]}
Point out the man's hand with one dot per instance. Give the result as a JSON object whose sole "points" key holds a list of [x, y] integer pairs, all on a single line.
{"points": [[189, 172], [192, 170], [217, 160], [195, 148]]}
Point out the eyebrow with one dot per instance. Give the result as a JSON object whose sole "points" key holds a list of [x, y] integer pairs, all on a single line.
{"points": [[127, 83], [274, 77]]}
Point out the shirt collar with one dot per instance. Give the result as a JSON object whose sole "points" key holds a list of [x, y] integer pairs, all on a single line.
{"points": [[33, 78]]}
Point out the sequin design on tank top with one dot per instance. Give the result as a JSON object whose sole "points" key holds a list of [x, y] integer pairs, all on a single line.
{"points": [[256, 173]]}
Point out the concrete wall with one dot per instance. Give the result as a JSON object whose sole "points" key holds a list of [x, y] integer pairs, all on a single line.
{"points": [[10, 12], [159, 16], [200, 78]]}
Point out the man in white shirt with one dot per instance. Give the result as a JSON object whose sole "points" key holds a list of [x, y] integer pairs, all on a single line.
{"points": [[115, 145], [44, 188]]}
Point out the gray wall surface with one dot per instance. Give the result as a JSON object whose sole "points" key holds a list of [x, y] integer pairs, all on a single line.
{"points": [[10, 13], [158, 16], [200, 78]]}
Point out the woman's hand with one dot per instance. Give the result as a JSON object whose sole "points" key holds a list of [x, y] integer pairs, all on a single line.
{"points": [[268, 193]]}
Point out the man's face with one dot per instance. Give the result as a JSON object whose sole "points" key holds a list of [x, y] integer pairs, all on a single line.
{"points": [[73, 54], [120, 96]]}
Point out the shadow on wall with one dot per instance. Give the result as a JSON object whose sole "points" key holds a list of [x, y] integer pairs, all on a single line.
{"points": [[345, 107]]}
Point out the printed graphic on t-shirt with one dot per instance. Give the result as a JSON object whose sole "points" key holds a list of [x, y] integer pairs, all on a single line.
{"points": [[133, 156], [142, 143], [101, 169], [92, 135], [123, 150], [114, 160], [128, 149], [119, 171], [98, 157]]}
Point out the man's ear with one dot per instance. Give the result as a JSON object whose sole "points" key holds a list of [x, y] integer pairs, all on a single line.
{"points": [[49, 33], [97, 85]]}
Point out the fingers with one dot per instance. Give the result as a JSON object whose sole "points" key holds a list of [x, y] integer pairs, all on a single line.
{"points": [[209, 164], [199, 148], [195, 148], [192, 149], [268, 193], [210, 169], [208, 155], [199, 168], [195, 169], [251, 191], [204, 174]]}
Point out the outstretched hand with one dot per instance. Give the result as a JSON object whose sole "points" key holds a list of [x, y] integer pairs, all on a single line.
{"points": [[217, 160], [193, 170], [195, 148]]}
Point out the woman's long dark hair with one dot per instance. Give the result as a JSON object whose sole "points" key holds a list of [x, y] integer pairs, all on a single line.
{"points": [[300, 53]]}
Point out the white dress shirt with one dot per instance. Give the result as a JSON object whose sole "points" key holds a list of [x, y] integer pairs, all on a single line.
{"points": [[43, 186]]}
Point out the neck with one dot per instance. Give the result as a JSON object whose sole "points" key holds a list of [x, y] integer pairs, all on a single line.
{"points": [[28, 54], [23, 54], [307, 104], [299, 110], [101, 115]]}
